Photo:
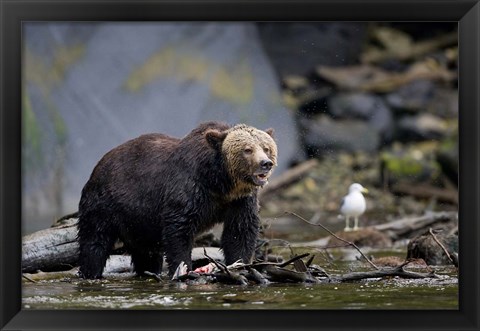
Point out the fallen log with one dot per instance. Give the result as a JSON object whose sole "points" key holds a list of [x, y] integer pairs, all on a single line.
{"points": [[116, 265], [427, 191], [406, 226], [412, 51], [257, 277], [367, 78], [52, 249], [384, 272]]}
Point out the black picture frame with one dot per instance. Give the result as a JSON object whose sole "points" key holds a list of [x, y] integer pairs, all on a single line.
{"points": [[14, 12]]}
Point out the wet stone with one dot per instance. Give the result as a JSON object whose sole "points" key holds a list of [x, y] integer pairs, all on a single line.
{"points": [[414, 96], [444, 103], [427, 248], [296, 48], [364, 106], [421, 127], [324, 135]]}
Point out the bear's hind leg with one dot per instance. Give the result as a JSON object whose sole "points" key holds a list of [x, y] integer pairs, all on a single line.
{"points": [[93, 256], [95, 247]]}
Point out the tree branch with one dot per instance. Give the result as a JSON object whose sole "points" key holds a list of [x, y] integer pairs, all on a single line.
{"points": [[443, 247], [334, 235]]}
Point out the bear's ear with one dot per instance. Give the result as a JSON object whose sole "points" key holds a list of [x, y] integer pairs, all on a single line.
{"points": [[270, 132], [215, 137]]}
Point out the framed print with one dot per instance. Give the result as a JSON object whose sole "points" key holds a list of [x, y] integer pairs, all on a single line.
{"points": [[148, 123]]}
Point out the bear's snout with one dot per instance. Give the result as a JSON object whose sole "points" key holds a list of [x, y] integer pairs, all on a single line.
{"points": [[263, 172], [266, 164]]}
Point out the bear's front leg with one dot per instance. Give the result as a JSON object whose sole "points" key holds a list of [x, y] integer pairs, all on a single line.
{"points": [[240, 230], [178, 242]]}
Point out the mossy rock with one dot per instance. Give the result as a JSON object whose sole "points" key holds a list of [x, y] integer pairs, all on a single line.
{"points": [[409, 165]]}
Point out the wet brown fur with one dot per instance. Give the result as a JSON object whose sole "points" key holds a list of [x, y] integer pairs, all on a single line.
{"points": [[241, 165], [156, 193]]}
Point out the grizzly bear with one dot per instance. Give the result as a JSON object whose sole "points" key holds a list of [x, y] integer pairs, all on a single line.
{"points": [[156, 193]]}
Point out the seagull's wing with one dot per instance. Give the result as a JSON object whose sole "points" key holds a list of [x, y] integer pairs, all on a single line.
{"points": [[342, 202]]}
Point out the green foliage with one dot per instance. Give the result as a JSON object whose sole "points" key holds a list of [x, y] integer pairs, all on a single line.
{"points": [[410, 166], [31, 136], [47, 75], [59, 126]]}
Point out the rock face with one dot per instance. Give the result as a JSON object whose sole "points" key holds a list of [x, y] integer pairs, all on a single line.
{"points": [[367, 107], [414, 96], [91, 86], [323, 135], [296, 48]]}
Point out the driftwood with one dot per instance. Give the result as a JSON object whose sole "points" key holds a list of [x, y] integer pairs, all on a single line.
{"points": [[287, 178], [414, 49], [257, 277], [367, 78], [266, 272], [116, 265], [427, 191], [278, 272], [406, 226], [51, 249], [385, 272], [275, 273]]}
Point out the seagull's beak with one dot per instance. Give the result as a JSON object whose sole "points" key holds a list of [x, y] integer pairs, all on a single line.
{"points": [[364, 190]]}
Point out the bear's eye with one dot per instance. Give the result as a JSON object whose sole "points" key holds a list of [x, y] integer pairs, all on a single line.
{"points": [[266, 149], [248, 150]]}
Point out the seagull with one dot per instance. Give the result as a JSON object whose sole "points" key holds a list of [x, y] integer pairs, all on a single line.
{"points": [[353, 205]]}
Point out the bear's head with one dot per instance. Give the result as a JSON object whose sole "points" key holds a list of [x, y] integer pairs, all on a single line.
{"points": [[250, 154]]}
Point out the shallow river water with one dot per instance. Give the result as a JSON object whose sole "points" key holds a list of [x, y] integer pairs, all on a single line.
{"points": [[123, 291], [136, 294]]}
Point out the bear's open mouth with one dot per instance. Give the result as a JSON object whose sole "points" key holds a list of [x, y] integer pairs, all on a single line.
{"points": [[260, 179]]}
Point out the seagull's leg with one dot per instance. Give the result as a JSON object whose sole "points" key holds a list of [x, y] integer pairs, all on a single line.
{"points": [[355, 227], [347, 227]]}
